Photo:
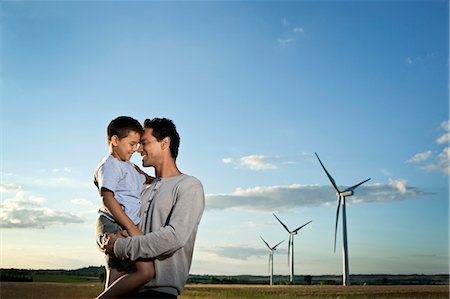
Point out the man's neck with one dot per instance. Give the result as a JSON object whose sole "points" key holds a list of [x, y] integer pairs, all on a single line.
{"points": [[167, 169]]}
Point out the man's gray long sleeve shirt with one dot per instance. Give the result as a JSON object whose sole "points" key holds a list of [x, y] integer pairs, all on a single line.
{"points": [[171, 211]]}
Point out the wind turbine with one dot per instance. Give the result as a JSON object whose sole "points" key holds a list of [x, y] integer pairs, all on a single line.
{"points": [[291, 246], [271, 250], [341, 195]]}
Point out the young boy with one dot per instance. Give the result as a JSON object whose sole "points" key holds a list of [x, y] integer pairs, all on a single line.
{"points": [[120, 183]]}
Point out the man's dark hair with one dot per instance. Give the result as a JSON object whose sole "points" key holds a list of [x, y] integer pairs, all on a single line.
{"points": [[122, 126], [162, 128]]}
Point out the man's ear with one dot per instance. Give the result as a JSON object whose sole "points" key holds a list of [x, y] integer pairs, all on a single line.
{"points": [[115, 140], [165, 143]]}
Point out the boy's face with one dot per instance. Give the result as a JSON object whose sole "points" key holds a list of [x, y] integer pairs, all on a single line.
{"points": [[124, 148]]}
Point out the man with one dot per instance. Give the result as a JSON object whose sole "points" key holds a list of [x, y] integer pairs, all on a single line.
{"points": [[172, 206]]}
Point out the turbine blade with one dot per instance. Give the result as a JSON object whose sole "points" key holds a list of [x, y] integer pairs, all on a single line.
{"points": [[302, 226], [329, 176], [337, 219], [355, 186], [282, 223], [273, 248], [265, 242]]}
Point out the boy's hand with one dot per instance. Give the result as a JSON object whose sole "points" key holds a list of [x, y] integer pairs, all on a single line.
{"points": [[122, 234], [108, 243], [110, 239], [133, 231]]}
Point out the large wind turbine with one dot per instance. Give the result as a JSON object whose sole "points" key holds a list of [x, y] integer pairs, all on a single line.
{"points": [[341, 195], [291, 245], [271, 250]]}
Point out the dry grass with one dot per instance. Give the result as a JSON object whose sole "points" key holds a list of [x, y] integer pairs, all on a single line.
{"points": [[250, 291], [9, 290], [49, 290]]}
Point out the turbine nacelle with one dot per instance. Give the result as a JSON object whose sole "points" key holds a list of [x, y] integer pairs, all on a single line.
{"points": [[346, 193]]}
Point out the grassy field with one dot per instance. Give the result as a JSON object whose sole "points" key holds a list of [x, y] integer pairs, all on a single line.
{"points": [[33, 290]]}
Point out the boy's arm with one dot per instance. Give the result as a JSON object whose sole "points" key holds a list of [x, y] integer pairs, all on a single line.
{"points": [[119, 215], [148, 178]]}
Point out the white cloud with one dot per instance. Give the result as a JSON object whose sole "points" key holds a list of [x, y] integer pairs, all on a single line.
{"points": [[386, 172], [240, 252], [286, 197], [254, 224], [257, 162], [53, 182], [8, 187], [285, 41], [227, 160], [82, 202], [419, 59], [64, 169], [445, 125], [443, 139], [441, 161], [446, 137], [27, 211], [400, 185], [417, 158], [299, 30]]}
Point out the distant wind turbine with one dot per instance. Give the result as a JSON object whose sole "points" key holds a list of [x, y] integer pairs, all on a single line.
{"points": [[271, 250], [341, 195], [291, 246]]}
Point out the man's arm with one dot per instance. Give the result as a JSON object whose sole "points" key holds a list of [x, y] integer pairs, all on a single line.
{"points": [[185, 218], [148, 178]]}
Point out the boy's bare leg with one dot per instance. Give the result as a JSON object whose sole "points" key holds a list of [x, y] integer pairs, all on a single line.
{"points": [[145, 271], [112, 275]]}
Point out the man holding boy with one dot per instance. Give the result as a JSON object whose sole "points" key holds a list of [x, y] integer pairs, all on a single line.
{"points": [[172, 206]]}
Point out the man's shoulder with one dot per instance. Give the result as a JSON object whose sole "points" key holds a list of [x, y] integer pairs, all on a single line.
{"points": [[185, 182], [189, 180]]}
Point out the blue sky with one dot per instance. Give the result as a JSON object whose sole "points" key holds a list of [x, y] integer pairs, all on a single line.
{"points": [[255, 88]]}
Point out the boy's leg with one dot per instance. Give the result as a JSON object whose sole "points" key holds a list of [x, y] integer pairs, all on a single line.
{"points": [[114, 268], [145, 271], [112, 275]]}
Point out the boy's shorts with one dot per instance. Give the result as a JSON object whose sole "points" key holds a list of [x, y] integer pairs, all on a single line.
{"points": [[105, 225]]}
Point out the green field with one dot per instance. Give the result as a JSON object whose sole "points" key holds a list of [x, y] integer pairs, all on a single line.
{"points": [[52, 290]]}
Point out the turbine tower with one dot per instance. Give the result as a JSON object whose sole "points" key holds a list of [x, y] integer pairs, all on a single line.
{"points": [[291, 246], [271, 250], [341, 195]]}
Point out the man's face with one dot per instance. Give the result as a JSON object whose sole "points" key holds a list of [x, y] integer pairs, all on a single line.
{"points": [[150, 149]]}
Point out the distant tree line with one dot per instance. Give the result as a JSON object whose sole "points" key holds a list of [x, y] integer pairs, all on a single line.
{"points": [[5, 276], [98, 273]]}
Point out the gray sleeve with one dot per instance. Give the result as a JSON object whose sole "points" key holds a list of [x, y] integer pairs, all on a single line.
{"points": [[165, 241]]}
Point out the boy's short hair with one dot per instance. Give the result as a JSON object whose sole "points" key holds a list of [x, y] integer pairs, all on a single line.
{"points": [[122, 126], [162, 128]]}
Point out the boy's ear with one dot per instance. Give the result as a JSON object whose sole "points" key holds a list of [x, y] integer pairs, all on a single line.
{"points": [[115, 140]]}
